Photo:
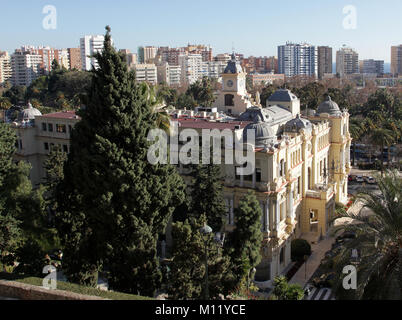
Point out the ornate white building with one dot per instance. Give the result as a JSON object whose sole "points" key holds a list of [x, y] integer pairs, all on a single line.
{"points": [[301, 165]]}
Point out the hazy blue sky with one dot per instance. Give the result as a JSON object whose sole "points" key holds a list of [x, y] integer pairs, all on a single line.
{"points": [[256, 27]]}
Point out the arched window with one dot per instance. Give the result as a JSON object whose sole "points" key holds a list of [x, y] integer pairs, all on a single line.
{"points": [[229, 100]]}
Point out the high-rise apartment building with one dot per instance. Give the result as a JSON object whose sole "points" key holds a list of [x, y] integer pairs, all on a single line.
{"points": [[5, 67], [372, 67], [74, 58], [324, 54], [297, 59], [396, 60], [26, 67], [347, 61], [147, 54], [171, 75], [191, 67], [90, 45], [146, 72]]}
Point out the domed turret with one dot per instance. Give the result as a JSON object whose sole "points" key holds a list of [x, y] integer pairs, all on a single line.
{"points": [[29, 114], [263, 133], [330, 107], [233, 66], [254, 114], [295, 125]]}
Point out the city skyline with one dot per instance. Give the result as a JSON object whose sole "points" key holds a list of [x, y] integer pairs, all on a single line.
{"points": [[225, 27]]}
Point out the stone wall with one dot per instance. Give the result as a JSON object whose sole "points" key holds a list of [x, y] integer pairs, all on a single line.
{"points": [[28, 292]]}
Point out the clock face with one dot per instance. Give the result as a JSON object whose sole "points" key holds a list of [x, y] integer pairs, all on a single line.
{"points": [[230, 83]]}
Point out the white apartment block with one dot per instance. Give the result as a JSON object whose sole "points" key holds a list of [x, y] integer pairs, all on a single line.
{"points": [[5, 67], [90, 45], [26, 67], [191, 67], [146, 73], [298, 59], [171, 75], [347, 62]]}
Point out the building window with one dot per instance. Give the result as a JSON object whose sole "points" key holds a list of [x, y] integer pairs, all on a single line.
{"points": [[299, 185], [65, 148], [282, 168], [229, 100], [21, 144], [50, 127], [258, 175], [46, 145], [61, 128], [44, 127], [70, 128]]}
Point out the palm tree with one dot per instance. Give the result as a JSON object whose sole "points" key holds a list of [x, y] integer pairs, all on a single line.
{"points": [[5, 104], [356, 131], [379, 241], [162, 118], [382, 137]]}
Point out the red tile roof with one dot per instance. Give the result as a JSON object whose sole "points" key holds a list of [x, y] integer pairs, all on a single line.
{"points": [[62, 115], [197, 123]]}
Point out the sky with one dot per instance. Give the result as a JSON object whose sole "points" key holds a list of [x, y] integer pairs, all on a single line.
{"points": [[251, 27]]}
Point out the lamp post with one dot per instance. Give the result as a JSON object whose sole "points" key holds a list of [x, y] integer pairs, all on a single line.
{"points": [[205, 231]]}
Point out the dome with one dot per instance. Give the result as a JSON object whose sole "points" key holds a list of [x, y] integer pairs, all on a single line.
{"points": [[29, 114], [296, 124], [263, 133], [233, 66], [330, 107], [282, 95], [254, 114]]}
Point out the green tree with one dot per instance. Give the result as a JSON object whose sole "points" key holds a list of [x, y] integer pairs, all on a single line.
{"points": [[285, 291], [207, 195], [202, 92], [187, 275], [112, 203], [382, 137], [245, 241], [378, 241], [5, 104]]}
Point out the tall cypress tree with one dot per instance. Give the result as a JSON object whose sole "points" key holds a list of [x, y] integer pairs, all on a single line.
{"points": [[245, 241], [207, 195], [112, 202]]}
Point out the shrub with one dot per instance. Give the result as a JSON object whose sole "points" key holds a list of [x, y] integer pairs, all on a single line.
{"points": [[300, 248]]}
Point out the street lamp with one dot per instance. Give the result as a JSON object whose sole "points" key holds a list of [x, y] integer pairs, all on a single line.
{"points": [[205, 231]]}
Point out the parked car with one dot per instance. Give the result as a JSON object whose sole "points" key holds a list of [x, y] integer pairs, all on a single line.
{"points": [[370, 180], [351, 178], [325, 281], [359, 179]]}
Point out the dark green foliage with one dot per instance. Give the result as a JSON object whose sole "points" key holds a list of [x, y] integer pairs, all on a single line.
{"points": [[54, 168], [60, 89], [202, 92], [113, 203], [16, 95], [266, 92], [299, 249], [186, 101], [31, 258], [207, 195], [284, 291], [166, 94], [187, 276], [311, 95], [244, 245], [377, 241]]}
